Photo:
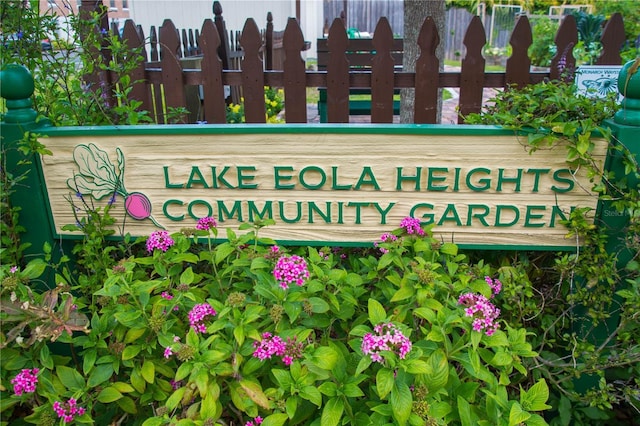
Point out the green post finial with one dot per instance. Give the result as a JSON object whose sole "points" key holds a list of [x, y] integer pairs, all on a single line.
{"points": [[629, 87], [17, 86]]}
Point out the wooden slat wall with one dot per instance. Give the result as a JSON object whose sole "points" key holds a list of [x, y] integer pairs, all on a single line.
{"points": [[164, 71]]}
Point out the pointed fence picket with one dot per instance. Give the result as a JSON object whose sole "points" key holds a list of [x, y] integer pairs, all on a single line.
{"points": [[162, 80]]}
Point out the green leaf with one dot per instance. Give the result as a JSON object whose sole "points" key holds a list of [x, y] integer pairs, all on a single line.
{"points": [[108, 395], [403, 293], [88, 360], [384, 382], [364, 363], [238, 334], [223, 251], [536, 397], [208, 407], [332, 412], [186, 278], [449, 248], [137, 381], [183, 371], [134, 334], [175, 398], [148, 371], [131, 352], [439, 366], [254, 392], [100, 374], [201, 379], [127, 405], [70, 378], [517, 415], [154, 421], [123, 387], [45, 357], [501, 358], [283, 378], [377, 314], [401, 402], [328, 388], [312, 394], [275, 419], [325, 358], [564, 409], [352, 390], [318, 305], [291, 406], [34, 269], [440, 409], [536, 420], [464, 411], [417, 366]]}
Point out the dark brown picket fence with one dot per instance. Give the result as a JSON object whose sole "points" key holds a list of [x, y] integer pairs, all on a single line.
{"points": [[175, 76]]}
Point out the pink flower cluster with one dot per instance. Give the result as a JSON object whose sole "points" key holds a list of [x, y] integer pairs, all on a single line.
{"points": [[68, 410], [271, 345], [25, 381], [387, 338], [412, 225], [206, 223], [496, 285], [257, 420], [290, 270], [198, 314], [159, 240], [483, 312], [384, 238]]}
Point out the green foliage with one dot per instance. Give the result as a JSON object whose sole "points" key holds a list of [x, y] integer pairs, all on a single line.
{"points": [[543, 48], [70, 83], [273, 103], [586, 324], [124, 315]]}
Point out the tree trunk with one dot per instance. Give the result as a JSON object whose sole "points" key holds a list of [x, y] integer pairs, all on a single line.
{"points": [[415, 12]]}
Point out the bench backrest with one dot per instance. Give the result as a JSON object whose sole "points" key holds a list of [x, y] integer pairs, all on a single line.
{"points": [[359, 54]]}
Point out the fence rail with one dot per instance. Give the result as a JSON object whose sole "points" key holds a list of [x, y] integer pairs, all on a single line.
{"points": [[212, 70]]}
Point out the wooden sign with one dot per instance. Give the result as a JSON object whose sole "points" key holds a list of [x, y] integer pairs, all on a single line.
{"points": [[344, 185]]}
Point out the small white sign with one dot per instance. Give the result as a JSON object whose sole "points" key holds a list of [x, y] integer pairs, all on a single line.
{"points": [[597, 81]]}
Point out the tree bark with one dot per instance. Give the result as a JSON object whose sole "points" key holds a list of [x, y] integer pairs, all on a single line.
{"points": [[415, 12]]}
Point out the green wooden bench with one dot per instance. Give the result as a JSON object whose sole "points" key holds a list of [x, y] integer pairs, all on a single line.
{"points": [[359, 54]]}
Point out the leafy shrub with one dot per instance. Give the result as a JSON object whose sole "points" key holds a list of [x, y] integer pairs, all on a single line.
{"points": [[585, 326], [183, 331]]}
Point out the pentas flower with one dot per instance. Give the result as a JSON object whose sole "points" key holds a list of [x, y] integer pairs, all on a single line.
{"points": [[25, 381], [271, 345], [256, 421], [166, 295], [496, 285], [168, 352], [387, 338], [387, 237], [412, 225], [483, 312], [206, 223], [69, 410], [198, 314], [13, 269], [159, 240], [291, 270]]}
